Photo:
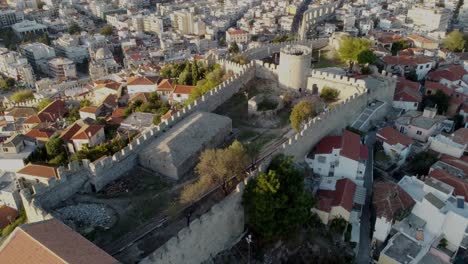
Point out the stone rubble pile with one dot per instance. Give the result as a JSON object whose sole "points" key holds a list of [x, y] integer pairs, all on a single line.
{"points": [[87, 214]]}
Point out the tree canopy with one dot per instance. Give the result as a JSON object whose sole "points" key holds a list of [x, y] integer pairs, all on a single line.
{"points": [[366, 56], [454, 41], [421, 162], [276, 203], [399, 45], [439, 99], [43, 103], [216, 168], [234, 48], [54, 146], [74, 28], [350, 48], [301, 112], [21, 96], [7, 83], [107, 30], [329, 94]]}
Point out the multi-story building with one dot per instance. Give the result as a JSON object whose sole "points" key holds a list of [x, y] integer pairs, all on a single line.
{"points": [[183, 21], [103, 64], [10, 17], [15, 66], [38, 55], [153, 23], [237, 35], [339, 157], [62, 68], [429, 19], [420, 125], [69, 46], [28, 27]]}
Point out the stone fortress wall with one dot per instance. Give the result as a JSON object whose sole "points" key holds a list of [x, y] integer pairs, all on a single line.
{"points": [[198, 242], [267, 50], [87, 176], [315, 15]]}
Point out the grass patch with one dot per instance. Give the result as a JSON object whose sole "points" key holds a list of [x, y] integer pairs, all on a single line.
{"points": [[246, 135], [327, 59], [22, 218]]}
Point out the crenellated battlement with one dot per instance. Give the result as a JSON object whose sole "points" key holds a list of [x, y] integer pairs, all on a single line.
{"points": [[338, 78], [28, 103]]}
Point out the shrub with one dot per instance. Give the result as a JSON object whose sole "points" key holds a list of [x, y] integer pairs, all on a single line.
{"points": [[22, 96], [329, 94], [300, 113]]}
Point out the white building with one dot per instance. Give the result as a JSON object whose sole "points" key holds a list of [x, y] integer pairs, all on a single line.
{"points": [[15, 66], [429, 19], [153, 23], [9, 17], [340, 157], [395, 145], [454, 145], [9, 191], [142, 84], [28, 27], [69, 46], [38, 55], [237, 35], [62, 68], [407, 95]]}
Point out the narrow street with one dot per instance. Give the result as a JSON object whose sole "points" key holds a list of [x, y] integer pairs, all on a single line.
{"points": [[363, 256]]}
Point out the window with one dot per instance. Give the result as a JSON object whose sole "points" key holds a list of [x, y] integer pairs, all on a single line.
{"points": [[419, 132], [178, 95], [427, 65], [421, 67], [416, 104], [321, 159], [5, 149]]}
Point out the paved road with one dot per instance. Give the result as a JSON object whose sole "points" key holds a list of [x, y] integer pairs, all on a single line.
{"points": [[363, 256]]}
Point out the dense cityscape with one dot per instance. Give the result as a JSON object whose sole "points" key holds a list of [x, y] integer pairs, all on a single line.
{"points": [[233, 131]]}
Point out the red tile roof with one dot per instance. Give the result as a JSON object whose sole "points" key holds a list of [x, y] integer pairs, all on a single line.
{"points": [[342, 196], [142, 80], [183, 89], [392, 137], [7, 215], [39, 171], [351, 146], [87, 131], [407, 91], [405, 60], [451, 73], [460, 185], [327, 144], [40, 133], [165, 85], [89, 109], [69, 132], [389, 200], [51, 242], [56, 109], [461, 136], [420, 38], [461, 163]]}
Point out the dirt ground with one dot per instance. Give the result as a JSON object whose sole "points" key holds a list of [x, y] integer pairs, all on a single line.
{"points": [[135, 198]]}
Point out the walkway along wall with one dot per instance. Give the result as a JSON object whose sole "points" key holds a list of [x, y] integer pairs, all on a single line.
{"points": [[267, 50]]}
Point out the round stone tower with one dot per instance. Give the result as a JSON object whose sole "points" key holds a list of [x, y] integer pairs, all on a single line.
{"points": [[294, 66]]}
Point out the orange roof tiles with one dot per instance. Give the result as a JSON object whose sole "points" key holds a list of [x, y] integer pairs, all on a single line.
{"points": [[51, 242], [142, 80], [352, 148], [89, 109], [405, 60], [407, 91], [87, 131], [390, 199], [39, 171], [420, 39], [183, 89], [40, 133], [165, 85], [342, 196], [460, 185], [393, 137], [7, 215], [327, 144]]}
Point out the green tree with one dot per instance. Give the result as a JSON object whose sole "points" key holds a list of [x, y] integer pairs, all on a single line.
{"points": [[239, 59], [350, 48], [454, 41], [399, 45], [329, 94], [45, 39], [195, 72], [74, 28], [234, 48], [411, 75], [85, 102], [221, 42], [439, 99], [107, 30], [421, 162], [54, 147], [43, 103], [276, 203], [443, 243], [40, 5], [338, 225], [366, 57], [21, 96], [301, 112], [217, 167], [8, 83]]}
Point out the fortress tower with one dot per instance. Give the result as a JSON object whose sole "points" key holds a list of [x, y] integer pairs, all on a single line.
{"points": [[294, 66]]}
